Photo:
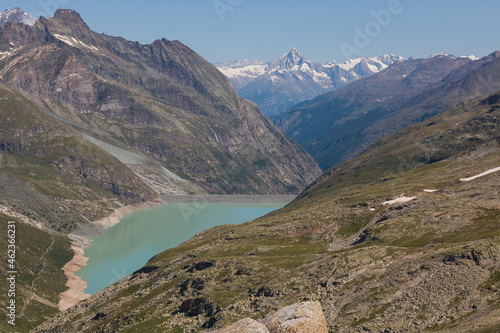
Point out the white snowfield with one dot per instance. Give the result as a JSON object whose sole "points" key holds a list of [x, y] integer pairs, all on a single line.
{"points": [[72, 41], [480, 175], [253, 71], [398, 200], [407, 199]]}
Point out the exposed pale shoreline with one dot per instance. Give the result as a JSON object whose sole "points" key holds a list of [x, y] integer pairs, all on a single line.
{"points": [[76, 286], [115, 217]]}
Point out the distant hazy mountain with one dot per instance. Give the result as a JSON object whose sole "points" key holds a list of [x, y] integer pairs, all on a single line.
{"points": [[290, 79], [339, 125], [16, 15]]}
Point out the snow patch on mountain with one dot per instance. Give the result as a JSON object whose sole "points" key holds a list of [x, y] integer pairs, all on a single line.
{"points": [[16, 15], [72, 41], [471, 57]]}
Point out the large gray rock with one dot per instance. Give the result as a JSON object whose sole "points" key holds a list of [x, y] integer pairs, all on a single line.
{"points": [[304, 317], [246, 325]]}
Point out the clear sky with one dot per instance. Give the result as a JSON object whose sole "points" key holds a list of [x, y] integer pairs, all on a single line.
{"points": [[322, 30]]}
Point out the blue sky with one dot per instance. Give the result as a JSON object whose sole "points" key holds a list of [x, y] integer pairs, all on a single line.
{"points": [[322, 30]]}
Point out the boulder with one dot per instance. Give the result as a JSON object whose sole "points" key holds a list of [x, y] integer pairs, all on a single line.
{"points": [[304, 317]]}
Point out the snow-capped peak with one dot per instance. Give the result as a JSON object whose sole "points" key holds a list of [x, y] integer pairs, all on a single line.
{"points": [[442, 55], [16, 15], [288, 60], [375, 64], [229, 63], [471, 57], [389, 58]]}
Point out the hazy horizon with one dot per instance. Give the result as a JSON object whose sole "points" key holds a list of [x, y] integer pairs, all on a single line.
{"points": [[322, 31]]}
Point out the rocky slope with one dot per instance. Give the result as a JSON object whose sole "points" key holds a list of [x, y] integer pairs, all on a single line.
{"points": [[161, 99], [50, 174], [395, 240], [339, 125], [52, 182], [290, 79]]}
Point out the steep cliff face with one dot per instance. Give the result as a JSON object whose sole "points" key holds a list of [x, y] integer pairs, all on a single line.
{"points": [[162, 99]]}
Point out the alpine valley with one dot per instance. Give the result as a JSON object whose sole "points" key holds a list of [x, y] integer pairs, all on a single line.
{"points": [[402, 238], [339, 125], [290, 79], [399, 234], [91, 124]]}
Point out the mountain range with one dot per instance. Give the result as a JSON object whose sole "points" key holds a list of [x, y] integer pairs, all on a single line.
{"points": [[161, 100], [91, 124], [278, 85], [399, 234], [339, 125]]}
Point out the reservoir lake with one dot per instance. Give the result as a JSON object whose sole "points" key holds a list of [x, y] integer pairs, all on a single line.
{"points": [[128, 245]]}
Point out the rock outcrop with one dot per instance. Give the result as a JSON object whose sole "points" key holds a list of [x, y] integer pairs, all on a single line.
{"points": [[305, 317]]}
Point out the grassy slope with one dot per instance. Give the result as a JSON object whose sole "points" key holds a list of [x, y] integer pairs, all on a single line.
{"points": [[31, 244], [430, 264]]}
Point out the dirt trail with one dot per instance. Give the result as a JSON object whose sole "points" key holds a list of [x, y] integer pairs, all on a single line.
{"points": [[30, 296]]}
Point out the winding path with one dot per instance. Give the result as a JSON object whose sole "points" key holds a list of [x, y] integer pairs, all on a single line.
{"points": [[30, 296]]}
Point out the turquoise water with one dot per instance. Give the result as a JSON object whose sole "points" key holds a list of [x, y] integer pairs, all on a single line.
{"points": [[128, 245]]}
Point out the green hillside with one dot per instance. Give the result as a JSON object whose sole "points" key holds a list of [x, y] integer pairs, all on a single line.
{"points": [[39, 258]]}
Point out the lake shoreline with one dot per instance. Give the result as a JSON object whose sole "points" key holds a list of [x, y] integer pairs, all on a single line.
{"points": [[236, 198], [77, 286], [115, 217]]}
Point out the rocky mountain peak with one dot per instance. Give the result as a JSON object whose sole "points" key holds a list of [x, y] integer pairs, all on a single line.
{"points": [[288, 60], [69, 19], [16, 15], [389, 58], [493, 55], [101, 71], [291, 79], [67, 13]]}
